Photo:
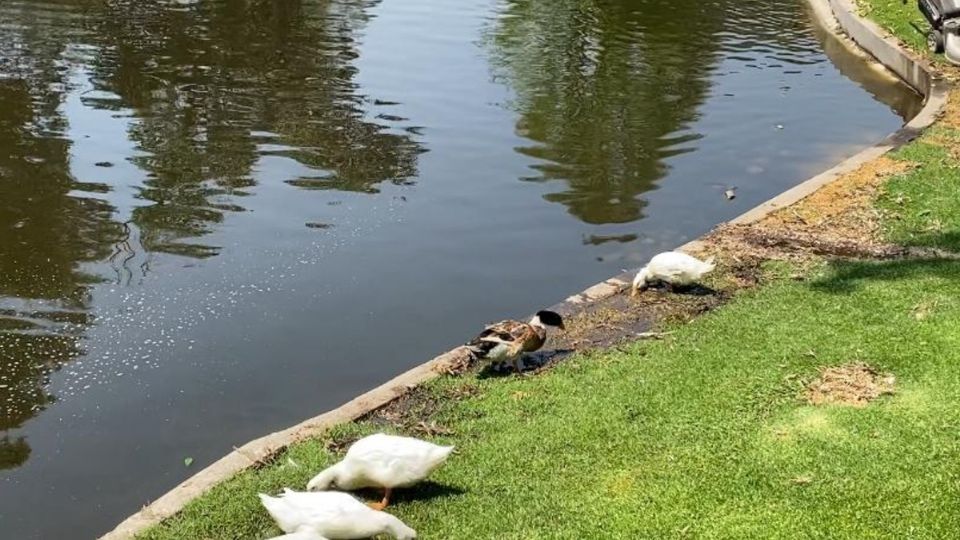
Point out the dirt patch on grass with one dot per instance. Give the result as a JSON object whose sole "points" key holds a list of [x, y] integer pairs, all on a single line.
{"points": [[603, 324], [742, 251], [843, 209], [626, 318], [950, 115], [855, 384], [838, 220], [810, 244], [408, 410], [415, 412]]}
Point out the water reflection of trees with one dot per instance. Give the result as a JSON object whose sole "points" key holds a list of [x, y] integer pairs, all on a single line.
{"points": [[204, 80], [44, 236], [209, 86], [605, 89]]}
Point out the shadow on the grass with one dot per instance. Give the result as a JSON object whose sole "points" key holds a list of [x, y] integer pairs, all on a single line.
{"points": [[531, 363], [847, 277], [949, 241], [424, 491], [685, 290]]}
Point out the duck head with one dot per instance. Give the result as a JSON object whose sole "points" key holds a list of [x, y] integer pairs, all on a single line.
{"points": [[327, 479], [640, 281], [546, 318]]}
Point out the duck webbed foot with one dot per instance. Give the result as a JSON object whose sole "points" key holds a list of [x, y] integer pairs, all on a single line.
{"points": [[383, 502]]}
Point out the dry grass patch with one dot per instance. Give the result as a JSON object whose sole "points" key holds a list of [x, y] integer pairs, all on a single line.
{"points": [[950, 115], [843, 209], [855, 384]]}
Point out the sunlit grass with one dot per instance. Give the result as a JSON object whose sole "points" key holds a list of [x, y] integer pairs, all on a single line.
{"points": [[922, 206], [901, 18], [703, 435]]}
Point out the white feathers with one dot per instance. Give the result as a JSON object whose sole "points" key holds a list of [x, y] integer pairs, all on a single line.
{"points": [[379, 460], [673, 268], [385, 461], [302, 535], [331, 515]]}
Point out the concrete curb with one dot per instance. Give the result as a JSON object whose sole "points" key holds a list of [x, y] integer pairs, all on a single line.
{"points": [[832, 14]]}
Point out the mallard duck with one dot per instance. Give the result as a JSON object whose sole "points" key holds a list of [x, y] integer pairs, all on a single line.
{"points": [[382, 461], [508, 341], [672, 268], [332, 514]]}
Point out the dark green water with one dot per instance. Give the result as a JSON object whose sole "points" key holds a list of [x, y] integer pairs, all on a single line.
{"points": [[220, 217]]}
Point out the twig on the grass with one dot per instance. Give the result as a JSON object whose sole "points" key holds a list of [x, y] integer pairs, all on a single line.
{"points": [[608, 326], [652, 335], [458, 366], [254, 460], [798, 216], [432, 428]]}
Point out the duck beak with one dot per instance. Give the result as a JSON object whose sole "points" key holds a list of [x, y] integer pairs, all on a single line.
{"points": [[634, 291]]}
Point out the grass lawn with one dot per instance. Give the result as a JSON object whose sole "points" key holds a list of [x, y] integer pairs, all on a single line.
{"points": [[922, 206], [702, 435], [899, 17]]}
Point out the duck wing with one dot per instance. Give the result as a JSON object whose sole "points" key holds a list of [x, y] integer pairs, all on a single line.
{"points": [[315, 508], [503, 332], [393, 461]]}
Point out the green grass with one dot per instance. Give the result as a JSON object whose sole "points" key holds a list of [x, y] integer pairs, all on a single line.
{"points": [[922, 206], [702, 435], [902, 19]]}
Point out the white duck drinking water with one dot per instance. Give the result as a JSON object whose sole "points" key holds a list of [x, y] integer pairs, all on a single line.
{"points": [[382, 461], [672, 268], [330, 515]]}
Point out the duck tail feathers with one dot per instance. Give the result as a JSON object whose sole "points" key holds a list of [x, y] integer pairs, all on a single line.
{"points": [[478, 349], [272, 504]]}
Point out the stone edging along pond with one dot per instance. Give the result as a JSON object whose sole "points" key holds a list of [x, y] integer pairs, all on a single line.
{"points": [[837, 16]]}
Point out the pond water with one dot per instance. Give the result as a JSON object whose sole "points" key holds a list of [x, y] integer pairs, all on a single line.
{"points": [[220, 217]]}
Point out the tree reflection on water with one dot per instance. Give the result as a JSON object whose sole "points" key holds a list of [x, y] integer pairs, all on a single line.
{"points": [[208, 89], [606, 91]]}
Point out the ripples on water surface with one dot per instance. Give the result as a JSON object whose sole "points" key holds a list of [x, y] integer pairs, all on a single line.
{"points": [[220, 217]]}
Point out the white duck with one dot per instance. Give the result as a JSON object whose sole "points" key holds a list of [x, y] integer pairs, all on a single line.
{"points": [[672, 268], [302, 535], [382, 461], [331, 515]]}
